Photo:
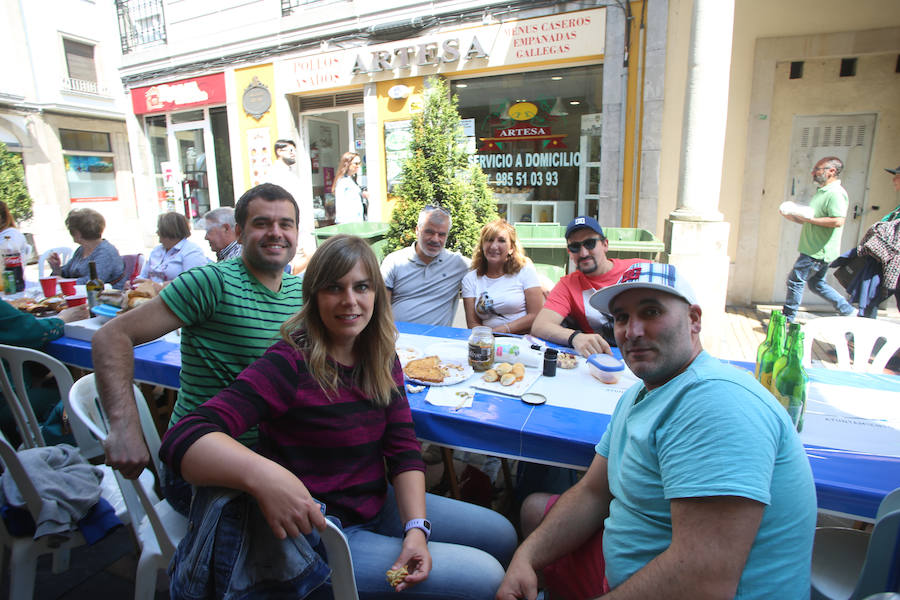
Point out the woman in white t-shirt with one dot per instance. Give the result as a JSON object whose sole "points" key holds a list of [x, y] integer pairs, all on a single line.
{"points": [[502, 291]]}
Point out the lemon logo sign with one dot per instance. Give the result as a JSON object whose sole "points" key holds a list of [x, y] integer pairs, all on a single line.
{"points": [[523, 111]]}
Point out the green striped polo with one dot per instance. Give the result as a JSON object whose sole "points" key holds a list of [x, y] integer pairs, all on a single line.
{"points": [[230, 319]]}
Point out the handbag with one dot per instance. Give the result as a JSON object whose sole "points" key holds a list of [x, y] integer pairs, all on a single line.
{"points": [[848, 268]]}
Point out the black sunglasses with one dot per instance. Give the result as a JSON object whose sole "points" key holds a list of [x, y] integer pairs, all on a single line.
{"points": [[431, 207], [575, 247]]}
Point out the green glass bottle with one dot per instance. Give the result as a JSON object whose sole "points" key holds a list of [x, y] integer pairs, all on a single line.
{"points": [[775, 317], [793, 330], [771, 355], [792, 383]]}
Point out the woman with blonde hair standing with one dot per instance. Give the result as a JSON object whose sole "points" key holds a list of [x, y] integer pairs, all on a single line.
{"points": [[502, 290]]}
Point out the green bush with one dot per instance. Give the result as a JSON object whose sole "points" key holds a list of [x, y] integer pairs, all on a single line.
{"points": [[12, 185], [439, 172]]}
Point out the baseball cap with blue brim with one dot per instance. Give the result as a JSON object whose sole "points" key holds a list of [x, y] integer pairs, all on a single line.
{"points": [[654, 276]]}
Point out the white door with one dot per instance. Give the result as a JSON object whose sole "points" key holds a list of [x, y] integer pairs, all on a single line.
{"points": [[848, 137], [191, 144]]}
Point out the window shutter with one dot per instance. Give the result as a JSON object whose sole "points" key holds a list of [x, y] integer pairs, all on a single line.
{"points": [[80, 60]]}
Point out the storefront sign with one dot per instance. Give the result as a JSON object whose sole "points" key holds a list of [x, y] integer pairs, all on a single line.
{"points": [[177, 95], [577, 35]]}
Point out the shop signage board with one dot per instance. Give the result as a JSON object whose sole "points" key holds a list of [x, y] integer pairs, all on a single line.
{"points": [[179, 95], [553, 38]]}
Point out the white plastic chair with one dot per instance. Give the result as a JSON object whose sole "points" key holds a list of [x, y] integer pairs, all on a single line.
{"points": [[865, 332], [25, 550], [16, 396], [64, 255], [158, 527], [343, 581], [852, 564]]}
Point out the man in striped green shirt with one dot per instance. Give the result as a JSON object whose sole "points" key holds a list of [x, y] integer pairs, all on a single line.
{"points": [[229, 312]]}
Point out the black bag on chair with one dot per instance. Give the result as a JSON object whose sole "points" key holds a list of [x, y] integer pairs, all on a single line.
{"points": [[848, 267]]}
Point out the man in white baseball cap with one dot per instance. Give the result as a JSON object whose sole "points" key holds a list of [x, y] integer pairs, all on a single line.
{"points": [[699, 486]]}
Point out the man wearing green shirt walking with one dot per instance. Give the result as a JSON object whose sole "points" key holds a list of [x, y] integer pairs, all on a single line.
{"points": [[820, 240]]}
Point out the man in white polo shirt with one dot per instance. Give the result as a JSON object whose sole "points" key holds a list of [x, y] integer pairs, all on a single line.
{"points": [[423, 281]]}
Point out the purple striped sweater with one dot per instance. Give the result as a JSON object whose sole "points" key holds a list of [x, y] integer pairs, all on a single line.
{"points": [[341, 448]]}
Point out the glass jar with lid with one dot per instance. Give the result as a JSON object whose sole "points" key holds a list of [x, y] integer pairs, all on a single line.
{"points": [[481, 348]]}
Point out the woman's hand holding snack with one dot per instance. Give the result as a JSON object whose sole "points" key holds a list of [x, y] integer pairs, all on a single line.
{"points": [[415, 557]]}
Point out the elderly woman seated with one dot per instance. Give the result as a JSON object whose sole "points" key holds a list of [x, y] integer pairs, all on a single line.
{"points": [[175, 253], [86, 228]]}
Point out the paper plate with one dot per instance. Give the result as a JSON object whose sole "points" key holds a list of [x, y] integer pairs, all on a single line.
{"points": [[408, 353], [457, 373]]}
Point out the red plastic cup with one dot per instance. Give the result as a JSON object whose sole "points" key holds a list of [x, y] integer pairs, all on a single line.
{"points": [[67, 286], [48, 285], [76, 300]]}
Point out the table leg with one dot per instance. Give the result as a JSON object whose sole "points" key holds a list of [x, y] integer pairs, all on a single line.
{"points": [[450, 472]]}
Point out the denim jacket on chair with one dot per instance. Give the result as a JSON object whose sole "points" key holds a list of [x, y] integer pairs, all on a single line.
{"points": [[231, 553]]}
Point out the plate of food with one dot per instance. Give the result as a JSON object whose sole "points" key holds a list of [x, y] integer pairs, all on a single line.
{"points": [[566, 360], [434, 370], [507, 379], [408, 353], [48, 307]]}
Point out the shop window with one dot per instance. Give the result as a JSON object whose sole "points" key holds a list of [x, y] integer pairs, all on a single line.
{"points": [[533, 134], [91, 178], [80, 61], [84, 141]]}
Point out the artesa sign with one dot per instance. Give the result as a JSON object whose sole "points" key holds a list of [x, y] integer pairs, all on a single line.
{"points": [[577, 35], [178, 95]]}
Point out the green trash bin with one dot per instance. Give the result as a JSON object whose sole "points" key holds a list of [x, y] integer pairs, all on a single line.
{"points": [[626, 242], [544, 243], [374, 233]]}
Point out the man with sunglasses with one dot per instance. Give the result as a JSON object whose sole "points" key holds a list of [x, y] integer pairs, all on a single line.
{"points": [[567, 316], [424, 280]]}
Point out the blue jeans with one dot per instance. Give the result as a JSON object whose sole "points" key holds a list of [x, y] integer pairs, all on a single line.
{"points": [[470, 547], [810, 271]]}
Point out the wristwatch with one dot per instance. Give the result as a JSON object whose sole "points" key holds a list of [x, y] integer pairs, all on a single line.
{"points": [[423, 524]]}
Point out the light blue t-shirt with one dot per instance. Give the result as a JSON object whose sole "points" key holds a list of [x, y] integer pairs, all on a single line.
{"points": [[711, 431]]}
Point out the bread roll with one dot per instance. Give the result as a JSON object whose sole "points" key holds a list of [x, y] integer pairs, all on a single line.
{"points": [[508, 379], [490, 375], [503, 368]]}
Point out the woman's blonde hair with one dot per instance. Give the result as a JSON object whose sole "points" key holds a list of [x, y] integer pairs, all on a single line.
{"points": [[374, 347], [516, 258]]}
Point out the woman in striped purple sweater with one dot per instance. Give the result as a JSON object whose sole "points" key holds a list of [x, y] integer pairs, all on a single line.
{"points": [[335, 427]]}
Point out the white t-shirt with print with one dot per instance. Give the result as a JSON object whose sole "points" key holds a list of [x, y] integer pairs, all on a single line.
{"points": [[501, 300]]}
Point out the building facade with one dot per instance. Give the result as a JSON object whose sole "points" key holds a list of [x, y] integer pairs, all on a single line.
{"points": [[570, 107], [62, 110]]}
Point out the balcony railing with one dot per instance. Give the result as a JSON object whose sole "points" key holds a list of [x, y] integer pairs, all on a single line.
{"points": [[141, 24], [85, 87]]}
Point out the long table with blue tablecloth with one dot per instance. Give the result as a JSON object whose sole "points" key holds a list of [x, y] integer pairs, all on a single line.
{"points": [[849, 481]]}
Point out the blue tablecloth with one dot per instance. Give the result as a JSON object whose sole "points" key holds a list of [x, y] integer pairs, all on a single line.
{"points": [[846, 482]]}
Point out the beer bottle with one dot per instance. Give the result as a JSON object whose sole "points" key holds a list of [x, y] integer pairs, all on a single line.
{"points": [[94, 286], [773, 324], [792, 382], [771, 355], [793, 330]]}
